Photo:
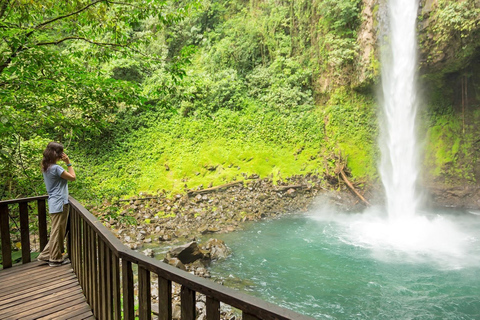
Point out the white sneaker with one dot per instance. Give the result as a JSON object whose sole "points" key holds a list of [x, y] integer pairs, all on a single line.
{"points": [[58, 264]]}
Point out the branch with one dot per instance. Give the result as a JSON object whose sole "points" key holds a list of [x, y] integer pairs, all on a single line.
{"points": [[69, 15], [350, 185], [3, 7], [83, 39]]}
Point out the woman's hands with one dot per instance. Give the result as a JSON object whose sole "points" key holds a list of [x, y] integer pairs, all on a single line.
{"points": [[65, 158], [70, 173]]}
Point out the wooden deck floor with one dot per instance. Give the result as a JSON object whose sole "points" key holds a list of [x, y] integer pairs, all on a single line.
{"points": [[38, 291]]}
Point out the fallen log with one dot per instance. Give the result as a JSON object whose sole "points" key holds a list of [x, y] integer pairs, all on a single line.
{"points": [[213, 189], [350, 185], [139, 199], [295, 186]]}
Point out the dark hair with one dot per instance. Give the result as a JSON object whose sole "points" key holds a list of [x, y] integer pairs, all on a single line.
{"points": [[52, 153]]}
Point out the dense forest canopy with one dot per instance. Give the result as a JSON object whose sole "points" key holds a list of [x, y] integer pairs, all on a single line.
{"points": [[168, 95]]}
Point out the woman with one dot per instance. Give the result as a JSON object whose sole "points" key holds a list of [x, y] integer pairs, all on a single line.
{"points": [[56, 180]]}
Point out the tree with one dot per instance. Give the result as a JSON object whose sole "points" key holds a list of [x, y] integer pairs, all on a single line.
{"points": [[51, 82]]}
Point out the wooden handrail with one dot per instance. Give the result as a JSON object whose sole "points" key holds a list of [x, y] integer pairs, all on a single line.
{"points": [[111, 253], [24, 227], [104, 267]]}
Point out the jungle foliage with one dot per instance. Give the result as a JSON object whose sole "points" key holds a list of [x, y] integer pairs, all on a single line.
{"points": [[168, 95]]}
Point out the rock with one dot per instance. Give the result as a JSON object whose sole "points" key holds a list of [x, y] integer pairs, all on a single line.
{"points": [[149, 253], [165, 237], [176, 311], [202, 229], [217, 249], [175, 262], [291, 193], [187, 253]]}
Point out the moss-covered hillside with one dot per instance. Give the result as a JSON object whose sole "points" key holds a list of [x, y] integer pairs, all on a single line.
{"points": [[262, 88]]}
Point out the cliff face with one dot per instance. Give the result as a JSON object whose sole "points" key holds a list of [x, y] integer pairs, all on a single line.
{"points": [[448, 34], [448, 31], [449, 68], [367, 67]]}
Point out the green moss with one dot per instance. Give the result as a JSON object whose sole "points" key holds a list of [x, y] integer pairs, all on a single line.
{"points": [[163, 215]]}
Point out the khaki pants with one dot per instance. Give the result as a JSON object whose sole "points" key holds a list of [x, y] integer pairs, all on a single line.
{"points": [[54, 248]]}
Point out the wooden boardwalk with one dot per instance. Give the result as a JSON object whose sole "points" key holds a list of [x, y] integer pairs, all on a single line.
{"points": [[37, 291]]}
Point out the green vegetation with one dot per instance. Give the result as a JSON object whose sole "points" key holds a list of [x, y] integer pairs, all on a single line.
{"points": [[167, 95]]}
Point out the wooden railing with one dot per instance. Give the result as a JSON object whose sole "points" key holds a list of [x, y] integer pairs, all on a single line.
{"points": [[25, 224], [105, 271]]}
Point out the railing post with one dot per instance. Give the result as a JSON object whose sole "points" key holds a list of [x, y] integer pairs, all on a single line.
{"points": [[187, 297], [68, 233], [5, 234], [42, 223], [117, 307], [102, 288], [108, 270], [213, 309], [127, 284], [144, 294], [24, 232], [95, 268], [87, 252], [164, 299]]}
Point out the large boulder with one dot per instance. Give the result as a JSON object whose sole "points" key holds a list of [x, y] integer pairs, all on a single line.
{"points": [[217, 248], [187, 253]]}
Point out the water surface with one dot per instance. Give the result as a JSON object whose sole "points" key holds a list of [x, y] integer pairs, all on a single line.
{"points": [[331, 265]]}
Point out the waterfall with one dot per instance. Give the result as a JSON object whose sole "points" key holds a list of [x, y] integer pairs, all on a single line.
{"points": [[399, 165]]}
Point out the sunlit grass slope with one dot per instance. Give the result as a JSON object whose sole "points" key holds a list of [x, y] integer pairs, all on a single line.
{"points": [[177, 153]]}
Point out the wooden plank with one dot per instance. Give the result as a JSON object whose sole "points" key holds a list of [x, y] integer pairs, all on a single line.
{"points": [[81, 256], [29, 295], [95, 288], [48, 297], [43, 297], [89, 263], [213, 309], [68, 233], [22, 281], [30, 286], [76, 247], [5, 235], [46, 309], [127, 284], [35, 269], [42, 223], [81, 242], [24, 232], [117, 306], [85, 315], [108, 271], [40, 267], [13, 201], [80, 310], [164, 299], [102, 279], [21, 268], [187, 297], [144, 294]]}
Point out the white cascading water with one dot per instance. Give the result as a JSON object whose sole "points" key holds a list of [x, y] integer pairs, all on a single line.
{"points": [[399, 167], [406, 234]]}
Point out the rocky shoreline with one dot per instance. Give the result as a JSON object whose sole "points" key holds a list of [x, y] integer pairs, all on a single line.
{"points": [[169, 227], [160, 219], [176, 223]]}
